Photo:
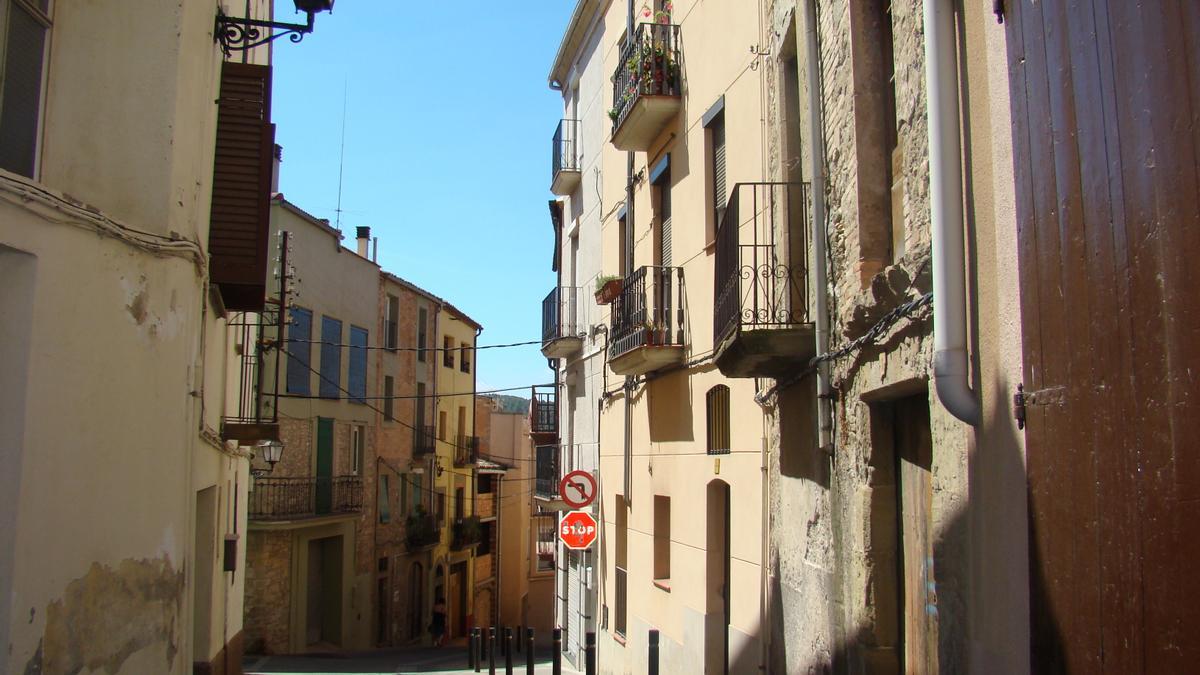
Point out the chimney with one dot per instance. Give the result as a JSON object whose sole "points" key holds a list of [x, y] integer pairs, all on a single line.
{"points": [[277, 156], [364, 239]]}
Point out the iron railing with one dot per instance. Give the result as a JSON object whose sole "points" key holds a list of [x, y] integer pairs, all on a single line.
{"points": [[546, 526], [466, 449], [649, 311], [288, 498], [546, 476], [760, 269], [559, 314], [421, 530], [649, 66], [543, 410], [424, 440], [465, 532], [566, 148]]}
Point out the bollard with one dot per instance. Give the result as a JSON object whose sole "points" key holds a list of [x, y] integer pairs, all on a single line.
{"points": [[653, 655], [471, 649], [520, 632], [492, 651], [478, 649], [589, 652], [556, 654], [508, 653], [528, 651]]}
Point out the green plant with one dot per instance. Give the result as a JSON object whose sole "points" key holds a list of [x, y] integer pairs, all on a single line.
{"points": [[613, 114], [602, 280]]}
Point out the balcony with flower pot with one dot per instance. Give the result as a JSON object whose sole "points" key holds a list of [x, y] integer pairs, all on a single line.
{"points": [[647, 325], [647, 85], [760, 297]]}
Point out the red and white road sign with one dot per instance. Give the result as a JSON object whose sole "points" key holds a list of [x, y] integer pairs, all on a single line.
{"points": [[577, 530], [577, 489]]}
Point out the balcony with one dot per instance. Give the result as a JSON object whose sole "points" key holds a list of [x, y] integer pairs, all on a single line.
{"points": [[647, 331], [257, 390], [561, 332], [298, 498], [545, 484], [465, 533], [421, 531], [760, 314], [565, 159], [646, 86], [543, 415], [466, 450], [424, 440]]}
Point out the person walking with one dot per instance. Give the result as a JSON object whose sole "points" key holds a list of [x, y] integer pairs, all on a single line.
{"points": [[437, 626]]}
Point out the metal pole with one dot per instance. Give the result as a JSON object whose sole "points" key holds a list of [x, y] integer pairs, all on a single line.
{"points": [[589, 651], [508, 653], [528, 651], [653, 656], [471, 638], [477, 649], [556, 655], [492, 651]]}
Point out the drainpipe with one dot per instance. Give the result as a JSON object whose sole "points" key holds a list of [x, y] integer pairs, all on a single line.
{"points": [[951, 368], [820, 281]]}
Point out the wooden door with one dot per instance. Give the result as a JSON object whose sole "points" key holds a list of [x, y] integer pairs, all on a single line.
{"points": [[1105, 96], [914, 461], [324, 467]]}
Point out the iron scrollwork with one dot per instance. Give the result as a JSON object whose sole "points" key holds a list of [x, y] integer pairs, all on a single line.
{"points": [[238, 34]]}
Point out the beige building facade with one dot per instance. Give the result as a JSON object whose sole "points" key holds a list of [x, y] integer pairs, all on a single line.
{"points": [[123, 521]]}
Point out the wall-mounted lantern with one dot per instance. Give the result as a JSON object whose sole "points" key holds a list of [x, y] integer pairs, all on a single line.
{"points": [[239, 34], [271, 451]]}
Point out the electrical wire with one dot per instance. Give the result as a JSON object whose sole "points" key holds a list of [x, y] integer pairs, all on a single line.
{"points": [[415, 349], [415, 396]]}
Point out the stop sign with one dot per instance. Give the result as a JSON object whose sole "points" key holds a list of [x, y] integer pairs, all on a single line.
{"points": [[577, 530]]}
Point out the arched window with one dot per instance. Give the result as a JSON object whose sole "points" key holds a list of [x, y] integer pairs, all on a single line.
{"points": [[718, 420]]}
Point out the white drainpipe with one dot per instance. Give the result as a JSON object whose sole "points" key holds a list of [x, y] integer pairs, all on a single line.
{"points": [[951, 367], [817, 185]]}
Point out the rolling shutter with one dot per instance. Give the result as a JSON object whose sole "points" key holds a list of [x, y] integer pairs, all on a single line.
{"points": [[299, 351], [331, 358], [241, 190], [357, 383], [718, 145]]}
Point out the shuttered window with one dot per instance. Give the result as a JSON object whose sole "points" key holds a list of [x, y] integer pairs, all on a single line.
{"points": [[718, 420], [660, 177], [299, 351], [241, 190], [422, 335], [718, 164], [385, 499], [357, 377], [389, 391], [331, 358], [24, 29]]}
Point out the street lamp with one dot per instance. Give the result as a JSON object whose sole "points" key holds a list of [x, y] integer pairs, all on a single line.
{"points": [[241, 33], [271, 451]]}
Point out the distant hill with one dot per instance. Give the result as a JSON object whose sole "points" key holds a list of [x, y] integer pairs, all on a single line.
{"points": [[509, 404]]}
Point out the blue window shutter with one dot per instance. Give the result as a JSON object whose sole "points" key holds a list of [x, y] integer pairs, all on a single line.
{"points": [[299, 352], [331, 358], [357, 383]]}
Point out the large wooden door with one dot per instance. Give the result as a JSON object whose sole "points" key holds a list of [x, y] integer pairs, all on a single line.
{"points": [[1105, 95]]}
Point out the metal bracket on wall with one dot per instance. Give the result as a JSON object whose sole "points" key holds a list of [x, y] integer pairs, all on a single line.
{"points": [[1048, 396]]}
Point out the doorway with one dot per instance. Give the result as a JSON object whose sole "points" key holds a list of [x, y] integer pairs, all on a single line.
{"points": [[324, 599], [718, 615]]}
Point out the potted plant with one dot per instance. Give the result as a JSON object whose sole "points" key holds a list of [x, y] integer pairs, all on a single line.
{"points": [[608, 287]]}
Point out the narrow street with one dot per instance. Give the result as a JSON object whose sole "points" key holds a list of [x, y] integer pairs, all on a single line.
{"points": [[451, 660]]}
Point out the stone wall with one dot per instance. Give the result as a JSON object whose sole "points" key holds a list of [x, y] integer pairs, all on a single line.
{"points": [[268, 589]]}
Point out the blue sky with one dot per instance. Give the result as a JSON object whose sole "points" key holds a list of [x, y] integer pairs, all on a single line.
{"points": [[447, 150]]}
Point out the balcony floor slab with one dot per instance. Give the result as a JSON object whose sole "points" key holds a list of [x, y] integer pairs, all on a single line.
{"points": [[644, 359], [565, 182], [562, 347], [766, 352], [645, 121]]}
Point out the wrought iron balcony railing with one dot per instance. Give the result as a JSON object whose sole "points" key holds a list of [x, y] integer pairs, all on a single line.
{"points": [[560, 314], [424, 440], [543, 411], [760, 263], [421, 530], [465, 532], [466, 449], [649, 66], [291, 498], [566, 148], [649, 311], [546, 476]]}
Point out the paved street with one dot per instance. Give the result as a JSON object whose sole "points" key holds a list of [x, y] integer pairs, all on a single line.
{"points": [[450, 660]]}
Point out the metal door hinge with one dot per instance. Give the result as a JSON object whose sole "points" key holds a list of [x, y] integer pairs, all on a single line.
{"points": [[1047, 396]]}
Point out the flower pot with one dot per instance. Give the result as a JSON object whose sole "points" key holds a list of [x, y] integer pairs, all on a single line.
{"points": [[609, 291]]}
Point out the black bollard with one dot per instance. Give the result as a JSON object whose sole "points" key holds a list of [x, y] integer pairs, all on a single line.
{"points": [[477, 647], [492, 651], [528, 651], [508, 653], [471, 649], [653, 655], [520, 632], [556, 654], [589, 652]]}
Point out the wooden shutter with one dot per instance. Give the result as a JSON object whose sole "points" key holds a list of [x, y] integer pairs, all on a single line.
{"points": [[299, 351], [241, 191], [331, 358], [357, 377]]}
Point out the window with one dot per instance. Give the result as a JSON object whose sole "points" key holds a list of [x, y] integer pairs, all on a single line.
{"points": [[623, 258], [660, 178], [419, 408], [447, 351], [299, 351], [892, 160], [358, 445], [622, 566], [26, 27], [422, 320], [547, 541], [485, 539], [486, 484], [464, 358], [389, 393], [418, 490], [714, 122], [385, 498], [717, 402], [402, 506], [331, 358], [460, 503], [662, 541], [357, 376], [391, 323], [441, 425]]}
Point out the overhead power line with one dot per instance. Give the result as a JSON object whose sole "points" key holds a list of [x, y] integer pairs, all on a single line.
{"points": [[415, 349]]}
